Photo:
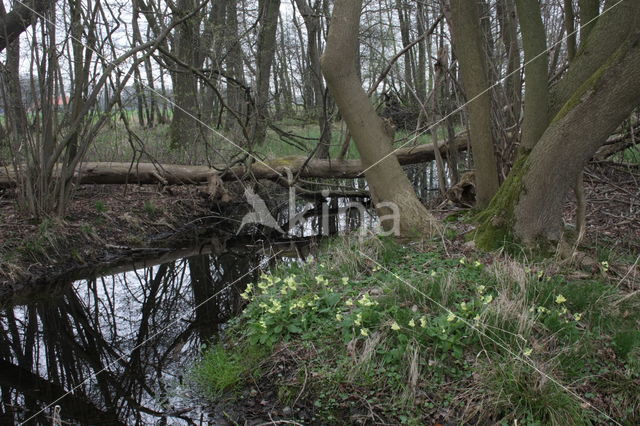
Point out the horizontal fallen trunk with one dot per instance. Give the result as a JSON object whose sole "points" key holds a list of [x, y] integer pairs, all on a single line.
{"points": [[170, 174]]}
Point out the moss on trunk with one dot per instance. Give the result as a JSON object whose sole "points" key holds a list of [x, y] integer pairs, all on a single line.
{"points": [[496, 221]]}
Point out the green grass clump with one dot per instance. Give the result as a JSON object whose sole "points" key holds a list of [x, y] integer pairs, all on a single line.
{"points": [[220, 370], [405, 332]]}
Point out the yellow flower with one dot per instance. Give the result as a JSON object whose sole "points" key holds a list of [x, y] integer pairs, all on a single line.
{"points": [[487, 299], [462, 261], [364, 332], [464, 306], [395, 326], [276, 306], [527, 351], [283, 291], [451, 317], [423, 322], [577, 317], [560, 299], [477, 264], [349, 302], [412, 323], [365, 300], [345, 280], [480, 289], [433, 273], [339, 317], [358, 320]]}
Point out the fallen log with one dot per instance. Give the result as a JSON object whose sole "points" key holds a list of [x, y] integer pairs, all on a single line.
{"points": [[171, 174]]}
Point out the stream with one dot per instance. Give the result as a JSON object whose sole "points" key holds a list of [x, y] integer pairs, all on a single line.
{"points": [[116, 347]]}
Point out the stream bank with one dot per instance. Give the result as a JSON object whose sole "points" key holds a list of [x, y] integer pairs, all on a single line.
{"points": [[374, 332]]}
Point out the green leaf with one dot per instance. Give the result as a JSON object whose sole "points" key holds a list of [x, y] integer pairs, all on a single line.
{"points": [[294, 329]]}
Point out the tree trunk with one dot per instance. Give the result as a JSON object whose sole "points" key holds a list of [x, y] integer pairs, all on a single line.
{"points": [[536, 99], [266, 49], [148, 173], [509, 32], [570, 27], [185, 129], [387, 181], [589, 10], [605, 37], [235, 95], [529, 204], [464, 22]]}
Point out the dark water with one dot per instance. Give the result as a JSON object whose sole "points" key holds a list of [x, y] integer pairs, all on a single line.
{"points": [[117, 349]]}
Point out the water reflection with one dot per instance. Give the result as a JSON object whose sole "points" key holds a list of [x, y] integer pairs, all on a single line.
{"points": [[123, 342], [139, 329]]}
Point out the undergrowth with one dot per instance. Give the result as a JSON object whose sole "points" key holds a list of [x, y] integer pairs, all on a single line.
{"points": [[377, 332]]}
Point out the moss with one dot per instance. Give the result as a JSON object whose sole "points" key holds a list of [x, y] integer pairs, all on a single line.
{"points": [[496, 221], [590, 83]]}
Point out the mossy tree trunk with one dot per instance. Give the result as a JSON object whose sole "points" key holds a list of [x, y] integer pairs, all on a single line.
{"points": [[529, 205], [387, 180], [605, 36]]}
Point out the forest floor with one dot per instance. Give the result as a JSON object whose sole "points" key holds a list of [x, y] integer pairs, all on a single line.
{"points": [[377, 332]]}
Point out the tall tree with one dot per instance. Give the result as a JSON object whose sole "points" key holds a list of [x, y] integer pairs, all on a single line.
{"points": [[373, 137], [529, 205], [185, 129], [265, 51], [464, 21]]}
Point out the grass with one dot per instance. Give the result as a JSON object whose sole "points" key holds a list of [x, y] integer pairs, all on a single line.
{"points": [[113, 144], [414, 335], [220, 370]]}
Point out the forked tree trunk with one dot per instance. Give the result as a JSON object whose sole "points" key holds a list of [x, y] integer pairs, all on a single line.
{"points": [[605, 36], [530, 202], [387, 180]]}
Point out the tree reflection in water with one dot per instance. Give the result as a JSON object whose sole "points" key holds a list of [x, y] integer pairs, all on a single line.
{"points": [[143, 328]]}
